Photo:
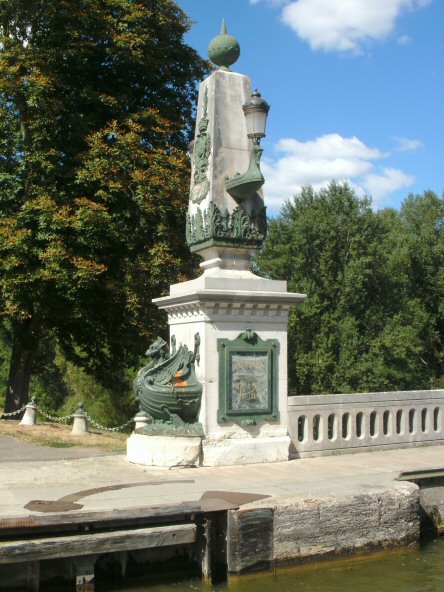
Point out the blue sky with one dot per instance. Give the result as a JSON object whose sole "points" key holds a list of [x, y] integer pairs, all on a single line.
{"points": [[355, 88]]}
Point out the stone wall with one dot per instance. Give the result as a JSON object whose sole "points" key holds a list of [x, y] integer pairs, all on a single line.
{"points": [[322, 526], [328, 526]]}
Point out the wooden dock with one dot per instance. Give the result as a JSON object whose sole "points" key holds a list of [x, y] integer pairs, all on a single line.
{"points": [[80, 538]]}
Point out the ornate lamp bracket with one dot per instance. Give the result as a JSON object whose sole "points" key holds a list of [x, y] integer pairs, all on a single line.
{"points": [[241, 187]]}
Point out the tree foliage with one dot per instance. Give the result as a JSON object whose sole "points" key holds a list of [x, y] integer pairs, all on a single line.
{"points": [[96, 98], [373, 317]]}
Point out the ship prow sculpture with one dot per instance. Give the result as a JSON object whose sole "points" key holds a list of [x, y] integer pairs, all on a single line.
{"points": [[168, 390]]}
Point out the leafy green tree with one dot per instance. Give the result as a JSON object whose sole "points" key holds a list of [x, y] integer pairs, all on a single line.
{"points": [[422, 218], [96, 98], [361, 327]]}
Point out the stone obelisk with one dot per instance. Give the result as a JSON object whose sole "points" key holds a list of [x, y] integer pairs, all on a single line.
{"points": [[239, 319]]}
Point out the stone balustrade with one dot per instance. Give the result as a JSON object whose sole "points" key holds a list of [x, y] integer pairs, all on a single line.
{"points": [[321, 425]]}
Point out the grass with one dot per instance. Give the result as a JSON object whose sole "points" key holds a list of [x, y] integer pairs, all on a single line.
{"points": [[59, 435]]}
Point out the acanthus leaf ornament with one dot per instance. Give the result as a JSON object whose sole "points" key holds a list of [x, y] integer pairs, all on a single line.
{"points": [[235, 228]]}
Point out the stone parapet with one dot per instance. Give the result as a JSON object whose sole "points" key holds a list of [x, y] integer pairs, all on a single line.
{"points": [[321, 425]]}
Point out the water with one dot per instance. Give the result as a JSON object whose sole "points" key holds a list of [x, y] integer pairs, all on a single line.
{"points": [[417, 570]]}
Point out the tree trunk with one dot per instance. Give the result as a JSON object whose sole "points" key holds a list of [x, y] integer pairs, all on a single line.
{"points": [[24, 347]]}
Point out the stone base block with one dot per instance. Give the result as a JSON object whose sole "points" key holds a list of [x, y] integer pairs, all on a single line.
{"points": [[164, 451], [244, 451]]}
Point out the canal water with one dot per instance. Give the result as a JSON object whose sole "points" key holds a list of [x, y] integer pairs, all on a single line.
{"points": [[415, 570]]}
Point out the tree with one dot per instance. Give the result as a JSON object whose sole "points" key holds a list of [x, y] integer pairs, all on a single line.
{"points": [[361, 327], [422, 218], [96, 98]]}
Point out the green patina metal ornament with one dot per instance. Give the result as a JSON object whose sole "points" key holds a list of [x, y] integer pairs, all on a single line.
{"points": [[224, 50], [241, 187], [211, 227], [168, 391]]}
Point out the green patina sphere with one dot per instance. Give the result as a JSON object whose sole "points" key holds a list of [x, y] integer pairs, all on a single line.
{"points": [[224, 49]]}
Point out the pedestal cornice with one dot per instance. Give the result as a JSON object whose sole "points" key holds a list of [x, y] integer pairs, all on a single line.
{"points": [[214, 303], [233, 297]]}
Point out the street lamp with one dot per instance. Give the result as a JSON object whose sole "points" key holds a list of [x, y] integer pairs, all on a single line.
{"points": [[256, 112], [241, 187]]}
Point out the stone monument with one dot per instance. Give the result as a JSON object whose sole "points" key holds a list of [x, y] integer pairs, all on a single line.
{"points": [[231, 325]]}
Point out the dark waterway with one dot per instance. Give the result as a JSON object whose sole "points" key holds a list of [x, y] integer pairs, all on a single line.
{"points": [[417, 570]]}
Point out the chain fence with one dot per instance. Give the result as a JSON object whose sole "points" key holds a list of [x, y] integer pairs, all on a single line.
{"points": [[104, 428], [2, 415], [65, 418], [58, 418]]}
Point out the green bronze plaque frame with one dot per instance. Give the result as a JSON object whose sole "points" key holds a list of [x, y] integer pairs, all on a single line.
{"points": [[248, 379]]}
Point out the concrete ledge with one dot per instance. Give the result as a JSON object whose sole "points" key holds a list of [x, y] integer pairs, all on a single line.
{"points": [[295, 454]]}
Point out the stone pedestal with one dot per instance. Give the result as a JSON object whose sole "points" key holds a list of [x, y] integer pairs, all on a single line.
{"points": [[221, 307]]}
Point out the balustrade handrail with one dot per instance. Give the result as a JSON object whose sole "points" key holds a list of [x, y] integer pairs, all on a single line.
{"points": [[384, 396], [340, 423]]}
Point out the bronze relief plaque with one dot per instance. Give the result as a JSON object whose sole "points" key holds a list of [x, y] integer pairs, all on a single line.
{"points": [[248, 379]]}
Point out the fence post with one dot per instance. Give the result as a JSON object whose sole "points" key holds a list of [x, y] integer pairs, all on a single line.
{"points": [[80, 425], [29, 416]]}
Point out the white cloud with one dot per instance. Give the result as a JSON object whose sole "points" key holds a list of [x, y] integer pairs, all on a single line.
{"points": [[380, 185], [317, 162], [404, 144], [330, 143], [344, 25]]}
